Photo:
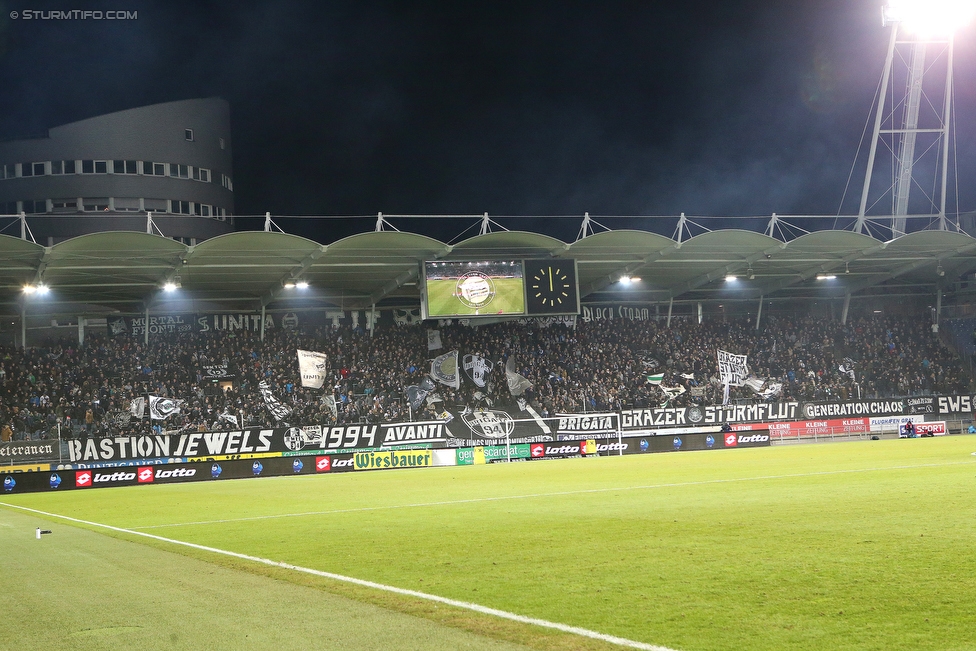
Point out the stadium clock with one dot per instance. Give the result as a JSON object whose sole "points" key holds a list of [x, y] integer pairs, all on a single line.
{"points": [[551, 287]]}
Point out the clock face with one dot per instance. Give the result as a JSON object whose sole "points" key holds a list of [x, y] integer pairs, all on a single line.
{"points": [[551, 286]]}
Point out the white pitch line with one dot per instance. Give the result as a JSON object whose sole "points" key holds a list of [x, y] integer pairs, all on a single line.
{"points": [[534, 495], [503, 614]]}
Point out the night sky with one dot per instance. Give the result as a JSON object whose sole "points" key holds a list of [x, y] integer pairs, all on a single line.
{"points": [[554, 108]]}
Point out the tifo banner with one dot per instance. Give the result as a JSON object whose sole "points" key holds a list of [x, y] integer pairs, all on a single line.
{"points": [[444, 369], [29, 451], [312, 366], [278, 410], [732, 368], [814, 410], [654, 418], [477, 369], [217, 370], [135, 326]]}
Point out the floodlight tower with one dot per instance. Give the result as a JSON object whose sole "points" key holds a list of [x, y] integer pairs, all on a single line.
{"points": [[911, 112]]}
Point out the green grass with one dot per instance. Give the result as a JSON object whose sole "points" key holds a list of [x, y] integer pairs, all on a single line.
{"points": [[509, 298], [863, 545]]}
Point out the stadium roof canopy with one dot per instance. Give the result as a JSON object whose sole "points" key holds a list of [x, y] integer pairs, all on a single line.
{"points": [[123, 272]]}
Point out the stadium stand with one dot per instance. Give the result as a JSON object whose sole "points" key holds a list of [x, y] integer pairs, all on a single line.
{"points": [[594, 366]]}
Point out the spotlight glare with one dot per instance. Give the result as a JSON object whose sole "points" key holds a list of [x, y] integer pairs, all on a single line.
{"points": [[43, 289], [301, 284], [289, 285], [29, 289], [730, 278], [826, 277], [930, 17], [625, 280], [169, 287]]}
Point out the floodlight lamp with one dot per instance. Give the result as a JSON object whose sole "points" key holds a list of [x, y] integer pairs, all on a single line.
{"points": [[826, 277], [634, 279], [625, 280], [169, 287], [929, 17], [940, 271], [43, 289], [29, 289], [730, 278], [289, 285], [302, 284]]}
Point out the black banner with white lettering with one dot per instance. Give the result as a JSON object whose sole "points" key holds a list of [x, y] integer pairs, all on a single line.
{"points": [[965, 404], [814, 410], [650, 419], [29, 451]]}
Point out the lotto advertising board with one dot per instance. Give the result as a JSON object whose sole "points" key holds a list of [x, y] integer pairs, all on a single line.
{"points": [[169, 473]]}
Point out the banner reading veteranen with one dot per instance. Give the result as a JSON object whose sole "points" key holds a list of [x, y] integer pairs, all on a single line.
{"points": [[29, 451]]}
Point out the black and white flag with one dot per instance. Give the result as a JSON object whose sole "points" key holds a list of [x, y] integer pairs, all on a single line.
{"points": [[434, 340], [847, 368], [230, 418], [517, 384], [137, 408], [161, 408], [416, 393], [312, 366], [477, 368], [278, 410], [732, 368], [444, 369]]}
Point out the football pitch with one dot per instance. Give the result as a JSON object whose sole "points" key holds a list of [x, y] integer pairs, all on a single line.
{"points": [[857, 545], [441, 301]]}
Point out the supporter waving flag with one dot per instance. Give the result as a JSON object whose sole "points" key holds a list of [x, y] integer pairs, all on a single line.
{"points": [[161, 408], [312, 367], [278, 410], [444, 369], [517, 384]]}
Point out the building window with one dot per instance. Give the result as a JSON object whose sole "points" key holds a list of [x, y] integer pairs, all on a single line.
{"points": [[180, 207], [204, 210], [94, 204], [226, 182], [125, 204], [57, 167], [69, 167], [9, 207], [87, 167], [38, 169], [35, 206], [64, 205], [9, 171], [181, 171], [201, 174], [155, 205], [124, 167], [188, 134], [130, 167], [101, 167], [26, 169], [223, 144]]}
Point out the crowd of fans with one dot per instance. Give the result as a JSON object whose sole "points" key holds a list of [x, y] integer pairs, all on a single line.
{"points": [[597, 366]]}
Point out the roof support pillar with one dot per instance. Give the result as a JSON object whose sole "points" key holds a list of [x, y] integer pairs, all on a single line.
{"points": [[263, 315], [759, 312], [847, 305], [23, 326], [670, 306]]}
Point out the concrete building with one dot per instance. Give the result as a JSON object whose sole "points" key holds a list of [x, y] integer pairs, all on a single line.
{"points": [[171, 161]]}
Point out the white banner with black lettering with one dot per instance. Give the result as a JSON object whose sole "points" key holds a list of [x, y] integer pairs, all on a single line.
{"points": [[732, 368], [313, 367]]}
